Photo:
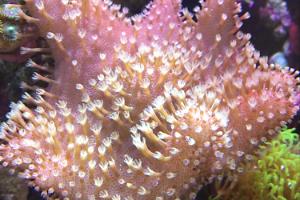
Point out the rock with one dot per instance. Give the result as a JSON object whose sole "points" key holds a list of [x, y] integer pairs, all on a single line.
{"points": [[12, 187]]}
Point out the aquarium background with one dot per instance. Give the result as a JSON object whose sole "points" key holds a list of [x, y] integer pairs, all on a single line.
{"points": [[275, 29]]}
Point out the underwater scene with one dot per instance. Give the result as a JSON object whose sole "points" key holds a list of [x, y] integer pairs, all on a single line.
{"points": [[149, 99]]}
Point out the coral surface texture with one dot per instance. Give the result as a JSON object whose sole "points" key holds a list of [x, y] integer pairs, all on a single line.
{"points": [[148, 107]]}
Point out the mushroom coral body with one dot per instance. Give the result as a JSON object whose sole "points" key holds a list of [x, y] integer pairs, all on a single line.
{"points": [[148, 107]]}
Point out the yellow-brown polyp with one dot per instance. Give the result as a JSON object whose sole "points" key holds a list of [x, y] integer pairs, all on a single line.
{"points": [[152, 109]]}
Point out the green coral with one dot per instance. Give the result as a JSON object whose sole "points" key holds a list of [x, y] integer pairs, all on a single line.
{"points": [[275, 174], [1, 26]]}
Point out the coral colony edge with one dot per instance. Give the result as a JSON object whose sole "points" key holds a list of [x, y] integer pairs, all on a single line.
{"points": [[149, 107]]}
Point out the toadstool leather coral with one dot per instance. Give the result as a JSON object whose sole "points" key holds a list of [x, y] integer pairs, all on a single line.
{"points": [[148, 107]]}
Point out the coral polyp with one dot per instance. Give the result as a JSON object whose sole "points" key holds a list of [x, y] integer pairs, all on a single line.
{"points": [[149, 107], [16, 30]]}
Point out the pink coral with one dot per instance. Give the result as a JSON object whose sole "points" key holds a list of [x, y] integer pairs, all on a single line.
{"points": [[151, 107]]}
